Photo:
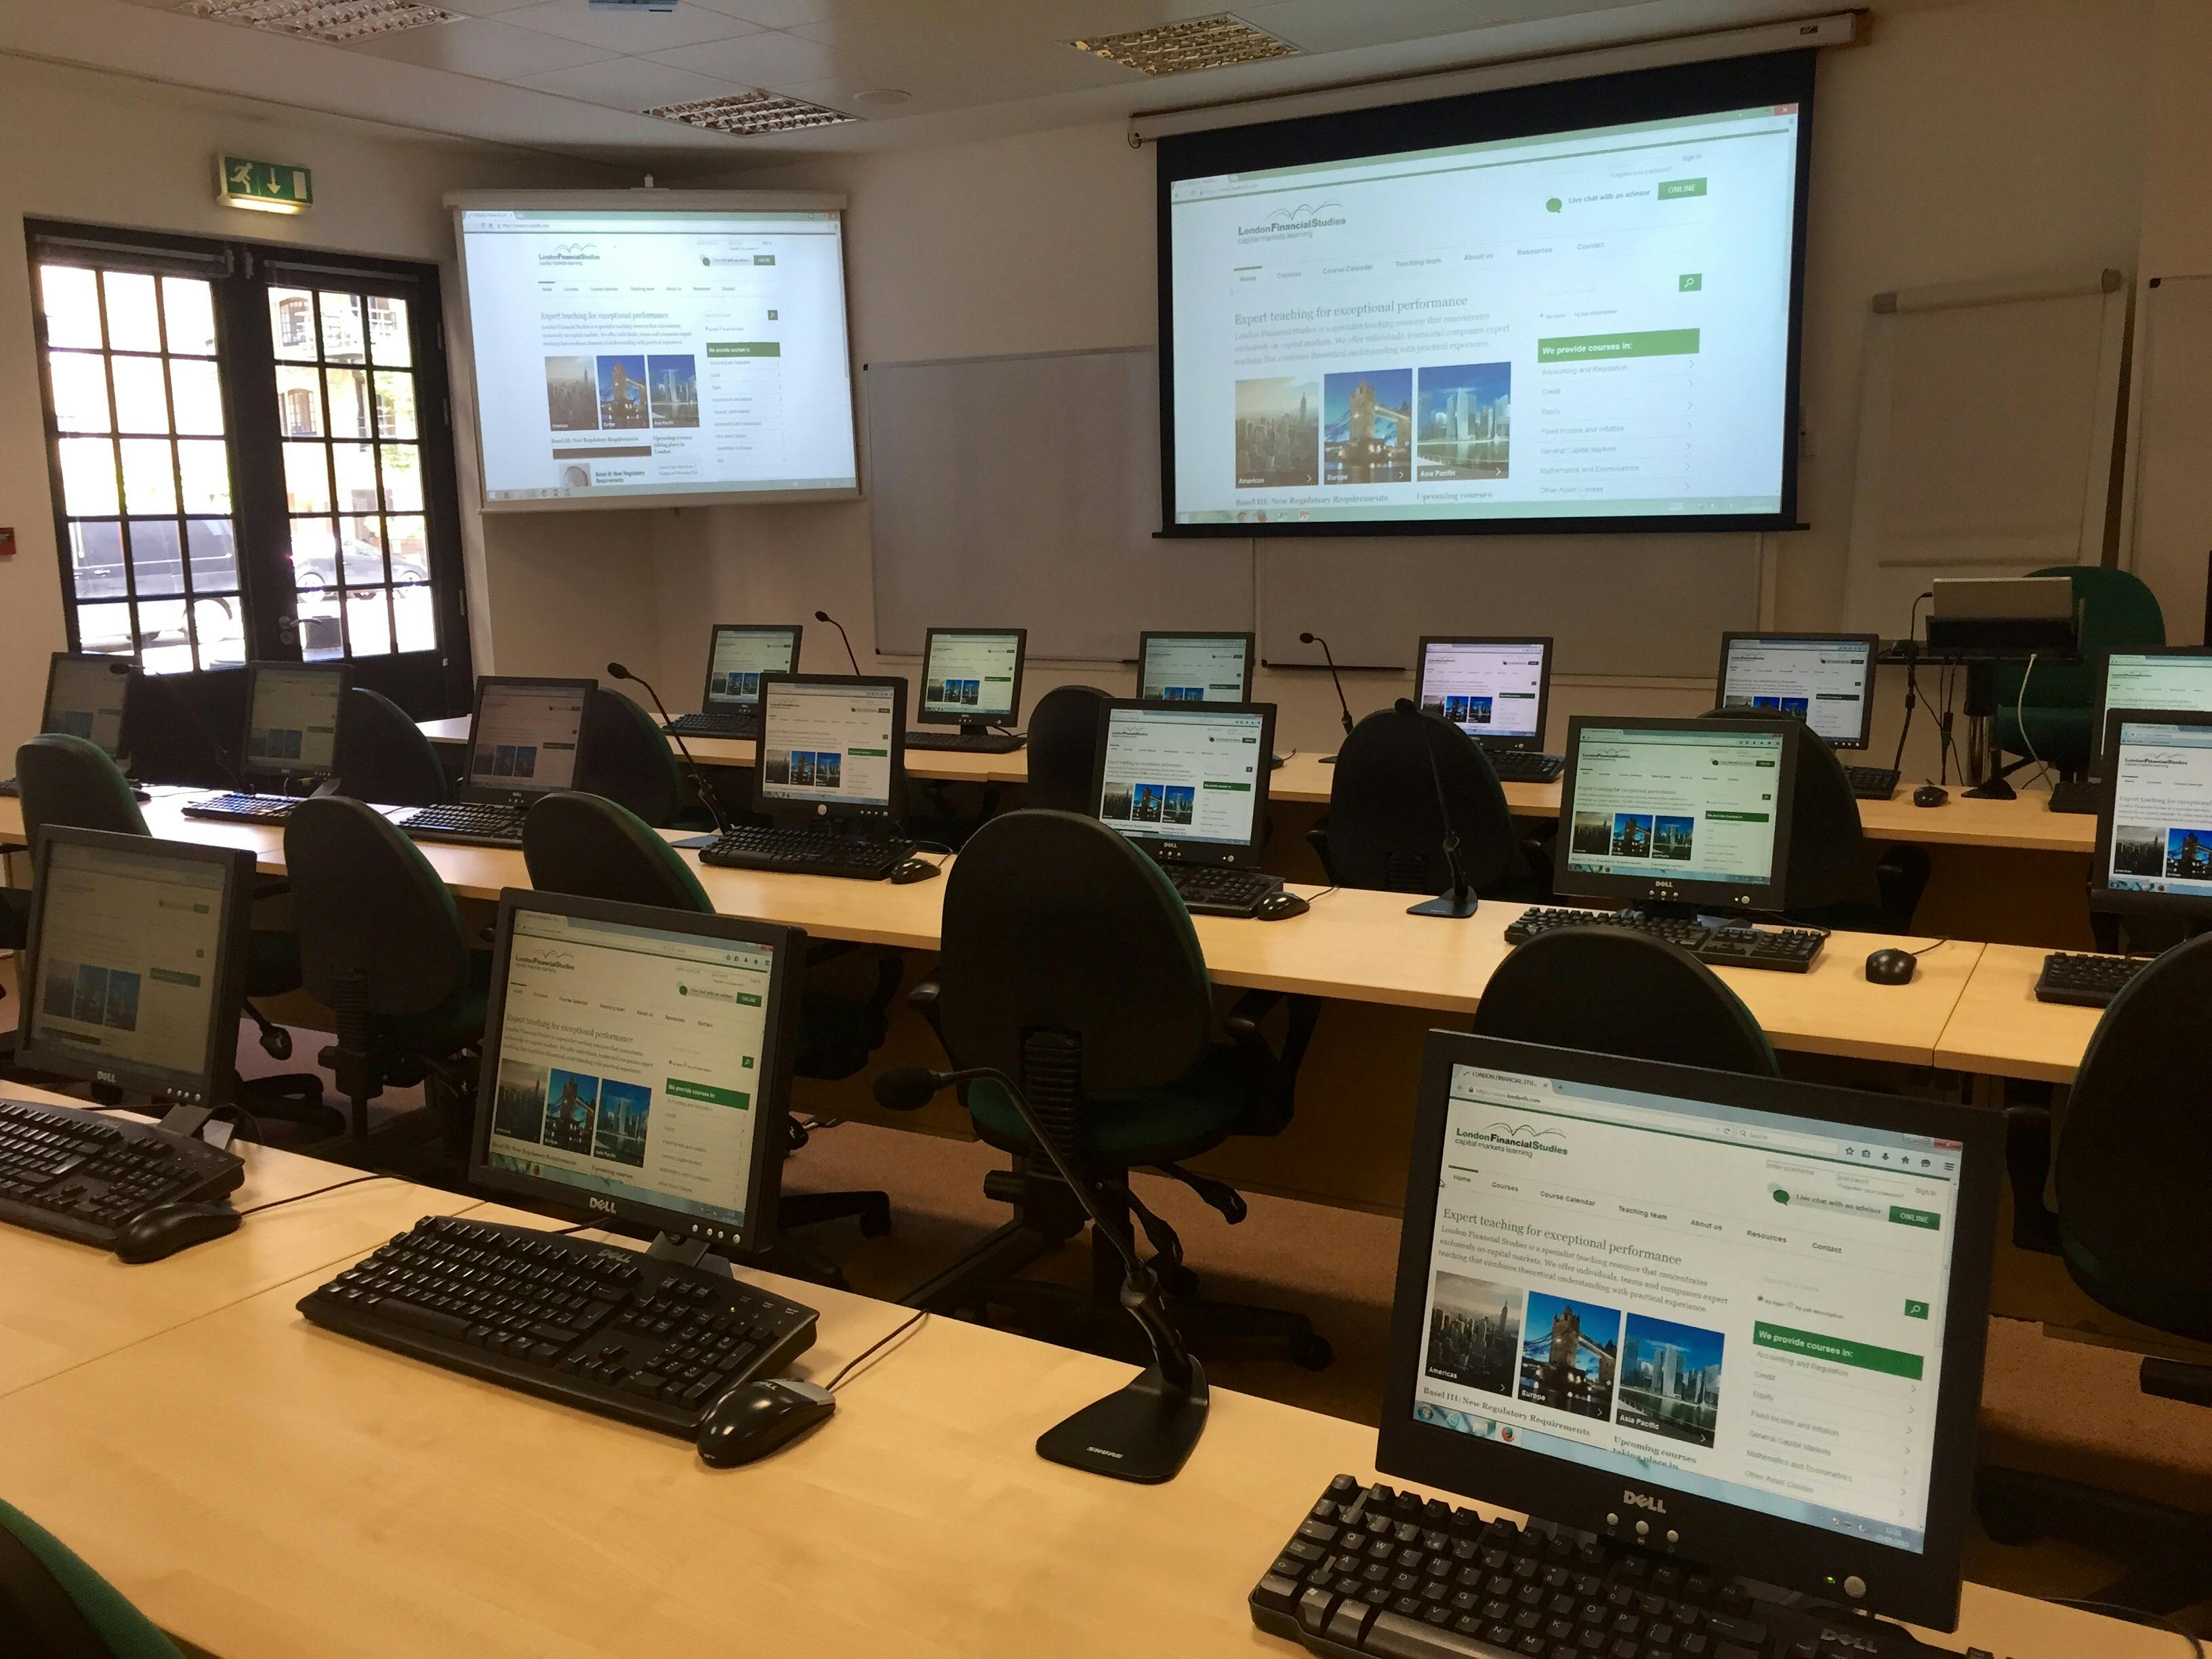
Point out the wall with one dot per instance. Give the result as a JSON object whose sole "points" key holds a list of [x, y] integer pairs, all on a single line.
{"points": [[110, 150]]}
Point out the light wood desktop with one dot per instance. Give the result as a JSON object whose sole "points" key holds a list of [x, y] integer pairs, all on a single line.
{"points": [[1999, 1029], [938, 765], [297, 1493]]}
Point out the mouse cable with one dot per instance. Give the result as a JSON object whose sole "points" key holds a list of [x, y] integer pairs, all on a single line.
{"points": [[1925, 949], [934, 847], [2130, 1615], [278, 1203], [881, 1342]]}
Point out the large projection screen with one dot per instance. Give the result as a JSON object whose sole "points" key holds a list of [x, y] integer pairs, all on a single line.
{"points": [[657, 348], [1572, 306]]}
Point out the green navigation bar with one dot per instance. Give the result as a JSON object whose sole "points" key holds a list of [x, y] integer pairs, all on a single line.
{"points": [[1738, 817], [744, 347], [1240, 788], [678, 1089], [856, 750], [1906, 1217], [174, 976], [1672, 190], [1837, 1350], [1589, 348]]}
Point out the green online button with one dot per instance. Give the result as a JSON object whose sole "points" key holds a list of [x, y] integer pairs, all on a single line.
{"points": [[1837, 1350], [1591, 348], [1906, 1217], [1672, 190]]}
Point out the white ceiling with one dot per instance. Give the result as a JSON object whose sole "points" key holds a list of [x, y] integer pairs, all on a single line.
{"points": [[554, 74]]}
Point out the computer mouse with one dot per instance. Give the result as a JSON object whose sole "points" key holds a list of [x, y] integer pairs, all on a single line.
{"points": [[1891, 967], [908, 870], [168, 1228], [1280, 906], [1931, 794], [755, 1418]]}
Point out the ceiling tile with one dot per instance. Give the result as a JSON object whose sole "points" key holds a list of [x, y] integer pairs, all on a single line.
{"points": [[634, 34], [1327, 25], [481, 8], [766, 59], [774, 14], [633, 83], [481, 46]]}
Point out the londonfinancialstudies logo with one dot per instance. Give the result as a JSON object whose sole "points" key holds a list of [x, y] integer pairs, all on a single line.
{"points": [[1299, 215], [1523, 1137], [568, 254]]}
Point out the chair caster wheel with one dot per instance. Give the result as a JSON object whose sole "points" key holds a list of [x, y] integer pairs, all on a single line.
{"points": [[1312, 1354]]}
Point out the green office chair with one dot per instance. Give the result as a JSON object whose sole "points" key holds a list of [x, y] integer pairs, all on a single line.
{"points": [[587, 845], [2118, 613], [1063, 749], [381, 945], [53, 1605], [383, 756], [66, 779], [1070, 963], [628, 760], [2134, 1157]]}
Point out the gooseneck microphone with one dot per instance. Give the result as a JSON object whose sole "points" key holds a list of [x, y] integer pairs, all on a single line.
{"points": [[1458, 904], [823, 616], [616, 671], [1343, 709], [1145, 1432]]}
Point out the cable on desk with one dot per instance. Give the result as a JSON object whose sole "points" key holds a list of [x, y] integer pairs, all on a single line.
{"points": [[852, 1363], [2129, 1615], [278, 1203]]}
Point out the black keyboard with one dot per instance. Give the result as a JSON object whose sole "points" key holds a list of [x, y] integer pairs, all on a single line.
{"points": [[472, 826], [1525, 766], [716, 725], [2081, 795], [1872, 782], [10, 787], [966, 742], [244, 809], [806, 853], [1213, 889], [1784, 950], [79, 1175], [606, 1329], [2085, 981], [1374, 1571]]}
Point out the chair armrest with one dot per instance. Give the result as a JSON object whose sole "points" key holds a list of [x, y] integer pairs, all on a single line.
{"points": [[1317, 838], [1536, 853], [1276, 1070], [2028, 1162], [923, 1000]]}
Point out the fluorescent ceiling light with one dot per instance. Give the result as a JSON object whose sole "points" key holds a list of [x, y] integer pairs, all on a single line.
{"points": [[1197, 43], [749, 114], [338, 21]]}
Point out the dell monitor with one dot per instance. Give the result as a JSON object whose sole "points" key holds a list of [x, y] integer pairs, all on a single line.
{"points": [[86, 697], [1826, 680], [832, 747], [1735, 1321], [1194, 667], [525, 739], [2154, 824], [1187, 782], [664, 1104], [1496, 690], [2171, 676], [971, 677], [291, 718], [135, 974], [739, 657], [1668, 812]]}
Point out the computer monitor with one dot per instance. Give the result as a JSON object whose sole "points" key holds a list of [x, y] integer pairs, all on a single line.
{"points": [[2171, 677], [1736, 1319], [1673, 810], [1496, 690], [2154, 823], [971, 677], [832, 747], [1826, 680], [740, 655], [525, 738], [292, 714], [87, 697], [134, 973], [1194, 667], [666, 1104], [1188, 783]]}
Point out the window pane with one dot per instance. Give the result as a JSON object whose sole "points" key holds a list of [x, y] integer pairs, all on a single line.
{"points": [[221, 627], [213, 552], [71, 301], [368, 624], [361, 543], [341, 341], [164, 646], [88, 476], [387, 333], [418, 624], [141, 395], [155, 559], [105, 628], [395, 406], [308, 477], [356, 466], [348, 402], [134, 317], [299, 402], [189, 307], [149, 476], [320, 636], [403, 480], [410, 549], [80, 379], [292, 324], [96, 560], [206, 463], [314, 556], [195, 390]]}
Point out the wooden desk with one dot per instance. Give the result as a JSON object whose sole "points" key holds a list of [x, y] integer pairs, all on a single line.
{"points": [[1999, 1029], [305, 1494], [938, 765]]}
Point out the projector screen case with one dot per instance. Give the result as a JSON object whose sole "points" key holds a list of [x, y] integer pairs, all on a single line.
{"points": [[656, 348], [1574, 307]]}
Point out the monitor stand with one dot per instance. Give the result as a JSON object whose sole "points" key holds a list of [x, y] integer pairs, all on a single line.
{"points": [[688, 1253], [974, 728], [191, 1122], [787, 1256]]}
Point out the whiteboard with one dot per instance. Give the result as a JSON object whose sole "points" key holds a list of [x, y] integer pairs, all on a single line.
{"points": [[2167, 535]]}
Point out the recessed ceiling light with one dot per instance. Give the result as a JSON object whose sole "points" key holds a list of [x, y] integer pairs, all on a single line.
{"points": [[882, 95], [1199, 43], [338, 21], [752, 112]]}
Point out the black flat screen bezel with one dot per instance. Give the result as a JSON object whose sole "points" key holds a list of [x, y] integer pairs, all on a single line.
{"points": [[708, 702], [1866, 700], [924, 716], [490, 793], [1543, 682], [791, 814], [1251, 642], [1166, 850], [248, 767]]}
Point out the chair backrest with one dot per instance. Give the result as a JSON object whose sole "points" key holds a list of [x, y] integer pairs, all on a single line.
{"points": [[53, 1605], [1613, 992], [1828, 862], [2119, 612], [1063, 745], [1055, 924], [2134, 1151], [370, 911], [383, 755], [627, 759], [67, 780], [1386, 828], [594, 848]]}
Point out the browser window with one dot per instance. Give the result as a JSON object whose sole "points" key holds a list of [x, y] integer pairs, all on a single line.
{"points": [[1181, 776], [2161, 839], [1823, 681], [294, 725], [525, 736], [2148, 680], [827, 742], [971, 677], [1487, 690], [1192, 668], [1741, 1306], [742, 655], [1679, 804], [85, 700]]}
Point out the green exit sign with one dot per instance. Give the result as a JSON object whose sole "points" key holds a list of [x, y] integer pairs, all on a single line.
{"points": [[264, 186]]}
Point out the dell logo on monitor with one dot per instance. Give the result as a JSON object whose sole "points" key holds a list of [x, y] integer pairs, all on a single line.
{"points": [[607, 1204], [1644, 1501]]}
